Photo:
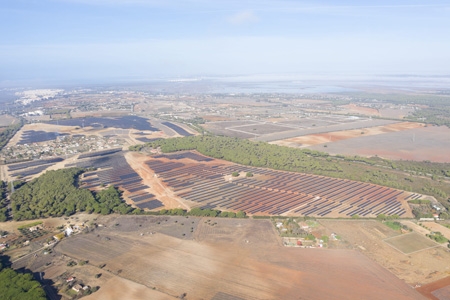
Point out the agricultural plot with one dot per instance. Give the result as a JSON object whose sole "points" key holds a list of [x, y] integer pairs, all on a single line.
{"points": [[261, 128], [409, 243], [350, 124], [370, 238], [331, 137], [31, 235], [230, 261], [285, 129], [32, 136], [125, 122], [223, 128], [419, 144], [271, 192], [436, 290]]}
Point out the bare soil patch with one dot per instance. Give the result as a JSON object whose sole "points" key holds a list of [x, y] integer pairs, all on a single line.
{"points": [[330, 137], [237, 258], [438, 290], [162, 193], [422, 143], [121, 288], [354, 108], [213, 118]]}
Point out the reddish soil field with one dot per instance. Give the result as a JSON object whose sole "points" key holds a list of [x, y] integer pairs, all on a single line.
{"points": [[424, 143], [353, 108], [330, 137], [436, 289], [232, 259]]}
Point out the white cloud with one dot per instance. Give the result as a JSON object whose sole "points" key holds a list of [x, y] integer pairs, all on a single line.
{"points": [[243, 17]]}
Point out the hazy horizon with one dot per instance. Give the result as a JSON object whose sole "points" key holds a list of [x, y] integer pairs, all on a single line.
{"points": [[99, 40]]}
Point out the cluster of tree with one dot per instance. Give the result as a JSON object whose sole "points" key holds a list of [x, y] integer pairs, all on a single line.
{"points": [[195, 123], [258, 154], [199, 212], [384, 217], [434, 191], [9, 132], [14, 285], [438, 237], [424, 168], [3, 204], [435, 108], [420, 213], [438, 115], [56, 193]]}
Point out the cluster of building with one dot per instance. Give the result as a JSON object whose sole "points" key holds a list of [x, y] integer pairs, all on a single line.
{"points": [[62, 145]]}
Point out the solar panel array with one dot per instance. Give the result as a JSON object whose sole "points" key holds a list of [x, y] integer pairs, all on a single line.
{"points": [[113, 169], [177, 129], [28, 168], [32, 136], [275, 192]]}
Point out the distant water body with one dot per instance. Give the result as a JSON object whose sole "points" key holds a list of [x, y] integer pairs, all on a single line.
{"points": [[279, 87]]}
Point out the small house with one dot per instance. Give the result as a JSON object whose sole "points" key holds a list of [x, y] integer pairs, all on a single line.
{"points": [[77, 287]]}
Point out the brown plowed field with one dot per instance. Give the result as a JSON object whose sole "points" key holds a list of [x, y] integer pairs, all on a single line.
{"points": [[438, 290], [330, 137], [421, 143], [237, 259], [353, 108]]}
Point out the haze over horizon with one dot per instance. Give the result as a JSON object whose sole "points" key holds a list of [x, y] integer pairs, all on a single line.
{"points": [[100, 40]]}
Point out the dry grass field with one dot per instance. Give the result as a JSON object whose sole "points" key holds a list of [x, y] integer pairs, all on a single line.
{"points": [[410, 243], [370, 238], [436, 227], [224, 259], [7, 120]]}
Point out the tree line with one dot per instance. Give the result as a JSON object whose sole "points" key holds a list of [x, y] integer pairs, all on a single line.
{"points": [[9, 132], [3, 204], [202, 212]]}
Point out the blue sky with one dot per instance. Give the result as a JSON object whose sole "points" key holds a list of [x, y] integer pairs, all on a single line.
{"points": [[108, 39]]}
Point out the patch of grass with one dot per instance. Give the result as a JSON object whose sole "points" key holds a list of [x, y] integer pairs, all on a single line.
{"points": [[30, 225], [393, 225]]}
